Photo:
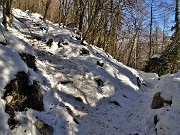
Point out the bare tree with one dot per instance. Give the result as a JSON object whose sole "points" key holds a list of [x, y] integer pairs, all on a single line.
{"points": [[46, 7], [150, 30]]}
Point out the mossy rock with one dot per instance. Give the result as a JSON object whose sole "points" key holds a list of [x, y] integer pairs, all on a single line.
{"points": [[30, 60], [157, 101], [23, 95]]}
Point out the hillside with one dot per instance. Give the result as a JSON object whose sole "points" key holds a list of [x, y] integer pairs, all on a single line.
{"points": [[83, 90]]}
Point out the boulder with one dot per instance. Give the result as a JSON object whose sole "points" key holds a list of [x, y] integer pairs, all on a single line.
{"points": [[157, 101], [20, 94]]}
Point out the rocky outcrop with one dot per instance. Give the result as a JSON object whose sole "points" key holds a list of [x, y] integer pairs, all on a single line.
{"points": [[157, 101], [20, 94]]}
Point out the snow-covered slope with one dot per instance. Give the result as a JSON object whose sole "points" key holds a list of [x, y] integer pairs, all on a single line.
{"points": [[85, 91]]}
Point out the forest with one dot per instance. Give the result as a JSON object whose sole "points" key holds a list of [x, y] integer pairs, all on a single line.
{"points": [[139, 33]]}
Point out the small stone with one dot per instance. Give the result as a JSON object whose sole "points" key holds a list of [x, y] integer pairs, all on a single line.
{"points": [[84, 51], [79, 99], [49, 42], [99, 82], [44, 128], [156, 119], [9, 98], [99, 63], [115, 103], [75, 121]]}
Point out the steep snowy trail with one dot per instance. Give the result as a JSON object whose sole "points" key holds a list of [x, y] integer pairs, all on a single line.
{"points": [[99, 100], [85, 90], [113, 108]]}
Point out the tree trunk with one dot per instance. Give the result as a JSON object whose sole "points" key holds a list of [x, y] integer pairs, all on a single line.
{"points": [[150, 33], [81, 15], [46, 8], [4, 13]]}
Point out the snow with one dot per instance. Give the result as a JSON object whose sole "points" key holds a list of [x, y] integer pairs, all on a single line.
{"points": [[14, 42], [81, 97], [10, 64]]}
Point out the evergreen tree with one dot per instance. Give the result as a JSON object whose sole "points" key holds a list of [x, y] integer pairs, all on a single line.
{"points": [[169, 61]]}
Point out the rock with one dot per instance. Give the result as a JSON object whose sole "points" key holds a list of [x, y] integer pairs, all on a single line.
{"points": [[13, 123], [79, 99], [157, 101], [59, 44], [9, 98], [99, 82], [84, 51], [2, 43], [64, 43], [35, 97], [78, 37], [29, 37], [66, 82], [69, 110], [20, 95], [23, 94], [115, 103], [37, 38], [140, 82], [44, 128], [49, 42], [75, 120], [155, 120], [30, 60], [83, 42], [37, 24], [100, 63]]}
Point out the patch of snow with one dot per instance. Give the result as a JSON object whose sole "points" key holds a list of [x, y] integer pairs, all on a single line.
{"points": [[168, 116], [10, 65], [14, 42]]}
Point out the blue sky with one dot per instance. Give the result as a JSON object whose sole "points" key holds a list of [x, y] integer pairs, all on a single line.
{"points": [[159, 15]]}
